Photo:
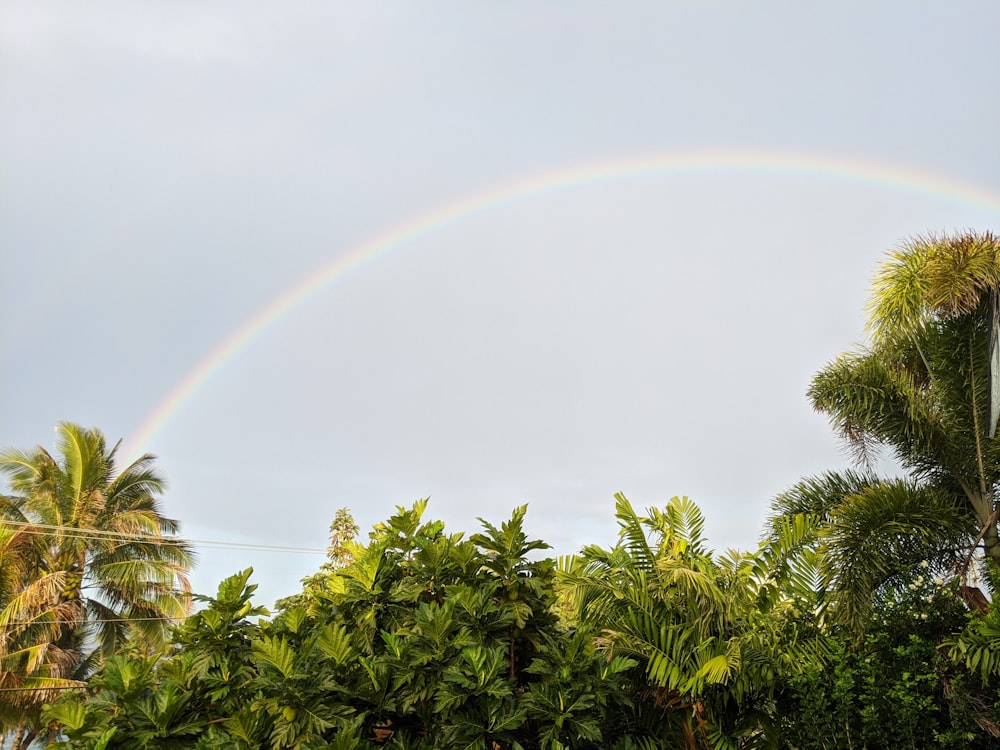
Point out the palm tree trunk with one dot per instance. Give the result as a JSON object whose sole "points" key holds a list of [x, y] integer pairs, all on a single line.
{"points": [[991, 543], [987, 516], [25, 738]]}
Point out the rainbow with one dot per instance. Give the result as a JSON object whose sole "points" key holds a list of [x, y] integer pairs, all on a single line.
{"points": [[659, 164]]}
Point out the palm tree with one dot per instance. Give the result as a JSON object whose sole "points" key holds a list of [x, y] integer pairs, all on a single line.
{"points": [[715, 636], [925, 387], [87, 560]]}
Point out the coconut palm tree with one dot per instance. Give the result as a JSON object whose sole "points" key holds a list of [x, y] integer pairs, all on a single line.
{"points": [[926, 387], [87, 560]]}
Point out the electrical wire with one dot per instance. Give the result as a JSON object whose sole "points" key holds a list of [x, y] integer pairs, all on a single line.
{"points": [[41, 529], [87, 621]]}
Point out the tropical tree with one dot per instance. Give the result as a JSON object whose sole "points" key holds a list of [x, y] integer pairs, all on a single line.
{"points": [[715, 637], [926, 387], [89, 561], [507, 549], [445, 629], [343, 530]]}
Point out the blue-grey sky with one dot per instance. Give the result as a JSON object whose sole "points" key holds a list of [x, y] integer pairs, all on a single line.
{"points": [[167, 170]]}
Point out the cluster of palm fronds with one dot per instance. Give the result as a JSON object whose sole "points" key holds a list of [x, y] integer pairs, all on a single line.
{"points": [[86, 560], [926, 388]]}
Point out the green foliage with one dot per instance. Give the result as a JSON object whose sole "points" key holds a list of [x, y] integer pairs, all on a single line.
{"points": [[422, 640], [897, 688], [864, 534], [713, 637], [410, 646], [914, 667], [577, 686], [838, 631], [921, 390], [445, 628], [203, 689]]}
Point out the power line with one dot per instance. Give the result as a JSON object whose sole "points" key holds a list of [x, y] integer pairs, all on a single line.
{"points": [[99, 535], [93, 533], [87, 621]]}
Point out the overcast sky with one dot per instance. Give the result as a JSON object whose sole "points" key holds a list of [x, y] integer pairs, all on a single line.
{"points": [[168, 170]]}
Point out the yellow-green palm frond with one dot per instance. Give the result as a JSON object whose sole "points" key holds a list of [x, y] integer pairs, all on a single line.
{"points": [[38, 660], [692, 586], [632, 534], [23, 695], [680, 527], [819, 496], [899, 291], [86, 464], [932, 276], [788, 553], [21, 467], [35, 601], [18, 560], [962, 269], [788, 557]]}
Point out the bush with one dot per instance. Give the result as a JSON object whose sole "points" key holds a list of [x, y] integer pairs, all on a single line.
{"points": [[896, 687]]}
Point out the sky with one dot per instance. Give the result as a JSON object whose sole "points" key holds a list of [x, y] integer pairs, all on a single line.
{"points": [[325, 254]]}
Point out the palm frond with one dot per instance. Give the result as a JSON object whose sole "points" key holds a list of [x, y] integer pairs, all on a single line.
{"points": [[872, 404], [21, 467], [633, 534], [961, 270], [85, 464], [932, 276], [138, 480], [687, 523], [880, 532]]}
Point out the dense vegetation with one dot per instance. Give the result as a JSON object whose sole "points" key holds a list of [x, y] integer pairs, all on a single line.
{"points": [[863, 619]]}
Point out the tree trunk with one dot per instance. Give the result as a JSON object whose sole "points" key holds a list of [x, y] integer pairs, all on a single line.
{"points": [[26, 739], [510, 652], [991, 549], [991, 544]]}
